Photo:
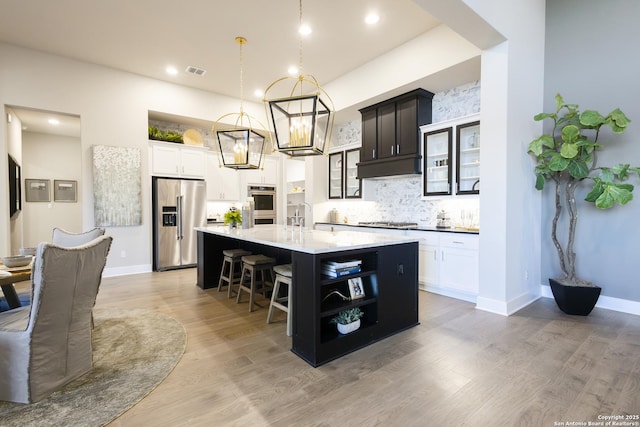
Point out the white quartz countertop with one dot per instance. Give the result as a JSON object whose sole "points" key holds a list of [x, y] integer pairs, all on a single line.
{"points": [[309, 241]]}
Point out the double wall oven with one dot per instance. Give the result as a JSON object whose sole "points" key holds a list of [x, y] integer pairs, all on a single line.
{"points": [[264, 203]]}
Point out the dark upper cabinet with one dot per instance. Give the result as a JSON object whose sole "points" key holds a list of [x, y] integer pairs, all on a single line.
{"points": [[410, 115], [369, 135], [391, 135], [386, 131]]}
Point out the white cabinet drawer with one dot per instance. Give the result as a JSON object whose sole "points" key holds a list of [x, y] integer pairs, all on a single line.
{"points": [[426, 238], [459, 240]]}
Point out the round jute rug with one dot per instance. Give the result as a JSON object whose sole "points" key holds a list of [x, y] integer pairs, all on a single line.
{"points": [[133, 351]]}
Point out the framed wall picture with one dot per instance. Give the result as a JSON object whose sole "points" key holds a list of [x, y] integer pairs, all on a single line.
{"points": [[355, 288], [37, 190], [65, 190]]}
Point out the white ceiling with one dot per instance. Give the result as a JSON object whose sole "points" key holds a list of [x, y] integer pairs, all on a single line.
{"points": [[145, 36], [38, 121]]}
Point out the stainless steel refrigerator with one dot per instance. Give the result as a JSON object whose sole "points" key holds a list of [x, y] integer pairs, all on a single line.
{"points": [[179, 205]]}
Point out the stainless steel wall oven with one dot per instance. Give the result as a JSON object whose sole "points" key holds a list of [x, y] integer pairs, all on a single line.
{"points": [[265, 203]]}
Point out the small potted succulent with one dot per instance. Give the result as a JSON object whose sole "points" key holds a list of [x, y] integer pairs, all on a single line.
{"points": [[348, 320], [232, 218]]}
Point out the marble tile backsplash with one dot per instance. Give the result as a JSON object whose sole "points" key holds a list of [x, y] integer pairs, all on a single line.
{"points": [[400, 198], [456, 102]]}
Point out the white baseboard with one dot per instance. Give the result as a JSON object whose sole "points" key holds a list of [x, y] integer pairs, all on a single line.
{"points": [[503, 308], [447, 292], [609, 303], [123, 271], [506, 308]]}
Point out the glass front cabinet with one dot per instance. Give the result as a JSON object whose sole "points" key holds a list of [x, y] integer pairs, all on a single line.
{"points": [[352, 185], [343, 175], [451, 153], [335, 175]]}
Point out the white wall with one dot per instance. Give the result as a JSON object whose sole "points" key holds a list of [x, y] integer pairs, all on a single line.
{"points": [[427, 54], [512, 82], [113, 107], [51, 157]]}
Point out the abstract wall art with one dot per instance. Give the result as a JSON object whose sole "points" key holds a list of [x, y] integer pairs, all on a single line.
{"points": [[117, 192]]}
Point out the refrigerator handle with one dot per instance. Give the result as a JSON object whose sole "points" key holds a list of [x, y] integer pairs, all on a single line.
{"points": [[179, 218]]}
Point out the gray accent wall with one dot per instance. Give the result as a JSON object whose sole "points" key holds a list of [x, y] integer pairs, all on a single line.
{"points": [[592, 60]]}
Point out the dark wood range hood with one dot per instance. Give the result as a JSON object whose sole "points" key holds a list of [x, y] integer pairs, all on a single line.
{"points": [[391, 135]]}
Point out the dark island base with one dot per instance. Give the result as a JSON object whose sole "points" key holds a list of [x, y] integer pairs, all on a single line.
{"points": [[389, 276]]}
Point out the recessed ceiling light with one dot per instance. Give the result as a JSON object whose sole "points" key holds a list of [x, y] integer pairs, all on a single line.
{"points": [[258, 93], [172, 71], [304, 29], [54, 122], [372, 18], [293, 70]]}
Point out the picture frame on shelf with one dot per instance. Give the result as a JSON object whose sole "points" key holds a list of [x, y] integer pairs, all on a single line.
{"points": [[65, 190], [37, 190], [356, 289]]}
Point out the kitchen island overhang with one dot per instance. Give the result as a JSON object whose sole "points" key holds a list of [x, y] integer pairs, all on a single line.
{"points": [[389, 277]]}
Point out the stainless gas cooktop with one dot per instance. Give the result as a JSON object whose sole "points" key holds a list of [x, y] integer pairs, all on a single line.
{"points": [[390, 224]]}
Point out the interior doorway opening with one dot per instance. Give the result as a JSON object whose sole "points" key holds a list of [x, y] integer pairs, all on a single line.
{"points": [[47, 145]]}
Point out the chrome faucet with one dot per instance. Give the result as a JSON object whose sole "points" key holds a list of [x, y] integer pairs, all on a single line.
{"points": [[297, 219]]}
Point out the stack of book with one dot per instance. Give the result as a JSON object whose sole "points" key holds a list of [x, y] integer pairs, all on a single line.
{"points": [[339, 269]]}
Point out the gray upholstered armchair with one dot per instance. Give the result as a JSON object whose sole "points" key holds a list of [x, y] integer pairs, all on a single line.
{"points": [[47, 344], [65, 238]]}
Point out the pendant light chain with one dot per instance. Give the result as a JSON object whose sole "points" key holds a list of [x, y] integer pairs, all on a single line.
{"points": [[241, 41], [300, 42], [302, 121]]}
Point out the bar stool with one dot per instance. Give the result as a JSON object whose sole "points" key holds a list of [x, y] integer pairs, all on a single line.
{"points": [[283, 275], [231, 265], [251, 266]]}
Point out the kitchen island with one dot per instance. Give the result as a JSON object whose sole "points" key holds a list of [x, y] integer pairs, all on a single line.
{"points": [[388, 273]]}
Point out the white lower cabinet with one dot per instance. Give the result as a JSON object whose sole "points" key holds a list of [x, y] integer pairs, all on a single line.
{"points": [[448, 263], [459, 263], [429, 269]]}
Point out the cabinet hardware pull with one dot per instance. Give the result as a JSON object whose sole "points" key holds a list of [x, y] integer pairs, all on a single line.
{"points": [[460, 243], [392, 148], [398, 149], [374, 153]]}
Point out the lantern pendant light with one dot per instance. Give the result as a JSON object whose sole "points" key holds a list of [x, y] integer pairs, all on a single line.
{"points": [[301, 118], [241, 147]]}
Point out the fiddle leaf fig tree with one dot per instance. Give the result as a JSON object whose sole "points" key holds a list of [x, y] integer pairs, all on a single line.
{"points": [[567, 158]]}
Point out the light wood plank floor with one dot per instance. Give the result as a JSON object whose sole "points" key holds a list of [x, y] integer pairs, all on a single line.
{"points": [[459, 367]]}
